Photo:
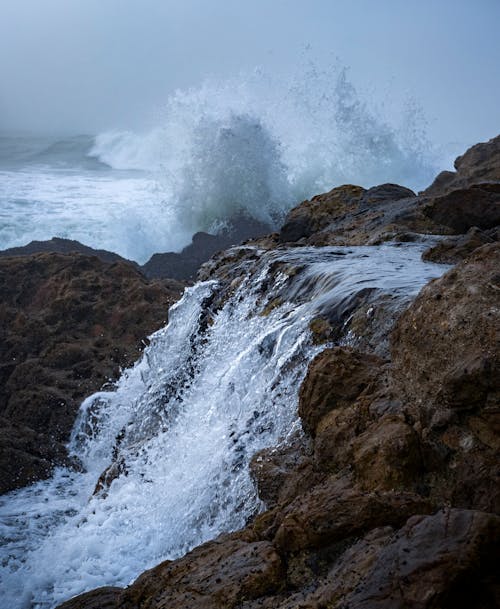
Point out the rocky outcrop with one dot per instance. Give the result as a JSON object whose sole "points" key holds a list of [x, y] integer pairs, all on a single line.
{"points": [[68, 324], [481, 163], [389, 499]]}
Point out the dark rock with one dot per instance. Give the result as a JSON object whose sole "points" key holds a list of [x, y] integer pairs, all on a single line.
{"points": [[68, 323], [185, 264], [455, 249], [460, 210], [333, 511], [57, 245], [100, 598], [481, 163], [384, 193]]}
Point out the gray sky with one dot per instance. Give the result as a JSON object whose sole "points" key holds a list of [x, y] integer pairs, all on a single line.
{"points": [[89, 65]]}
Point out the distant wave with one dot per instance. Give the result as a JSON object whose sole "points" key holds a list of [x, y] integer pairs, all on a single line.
{"points": [[252, 146]]}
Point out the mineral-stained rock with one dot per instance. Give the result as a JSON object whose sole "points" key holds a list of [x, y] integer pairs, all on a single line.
{"points": [[68, 322], [335, 378]]}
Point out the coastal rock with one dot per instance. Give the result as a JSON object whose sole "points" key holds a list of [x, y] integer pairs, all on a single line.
{"points": [[461, 209], [335, 378], [312, 216], [69, 323], [455, 249], [480, 163], [56, 245], [446, 366], [217, 575]]}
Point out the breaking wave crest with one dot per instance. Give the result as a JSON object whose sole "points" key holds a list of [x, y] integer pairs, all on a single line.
{"points": [[258, 145]]}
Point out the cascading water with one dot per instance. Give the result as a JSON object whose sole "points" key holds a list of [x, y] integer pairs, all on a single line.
{"points": [[219, 383]]}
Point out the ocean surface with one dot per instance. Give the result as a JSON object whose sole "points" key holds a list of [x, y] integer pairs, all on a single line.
{"points": [[248, 145]]}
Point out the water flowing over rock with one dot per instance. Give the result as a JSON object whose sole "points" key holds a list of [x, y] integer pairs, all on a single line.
{"points": [[317, 426]]}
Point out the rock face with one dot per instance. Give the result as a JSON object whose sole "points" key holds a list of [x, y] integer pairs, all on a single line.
{"points": [[68, 323], [389, 499]]}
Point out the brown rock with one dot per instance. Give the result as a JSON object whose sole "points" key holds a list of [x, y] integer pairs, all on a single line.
{"points": [[448, 560], [335, 378], [219, 574], [68, 323], [335, 510], [456, 249], [481, 163], [445, 347], [312, 216], [387, 456], [284, 472], [100, 598]]}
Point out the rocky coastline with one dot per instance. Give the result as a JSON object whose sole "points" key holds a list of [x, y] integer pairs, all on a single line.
{"points": [[390, 498]]}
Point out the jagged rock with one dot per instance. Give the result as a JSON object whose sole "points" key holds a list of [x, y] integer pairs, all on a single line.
{"points": [[68, 323], [335, 378], [334, 511], [387, 455], [446, 364], [455, 249], [461, 209], [446, 345], [185, 264], [480, 163], [284, 472]]}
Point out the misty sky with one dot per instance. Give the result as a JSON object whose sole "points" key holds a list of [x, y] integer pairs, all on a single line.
{"points": [[89, 65]]}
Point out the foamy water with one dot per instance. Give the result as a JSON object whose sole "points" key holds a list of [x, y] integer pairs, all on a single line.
{"points": [[212, 388], [254, 144]]}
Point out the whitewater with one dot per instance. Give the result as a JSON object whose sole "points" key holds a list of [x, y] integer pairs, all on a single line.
{"points": [[254, 145], [175, 437]]}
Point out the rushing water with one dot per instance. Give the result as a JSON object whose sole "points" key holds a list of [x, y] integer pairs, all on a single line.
{"points": [[214, 386]]}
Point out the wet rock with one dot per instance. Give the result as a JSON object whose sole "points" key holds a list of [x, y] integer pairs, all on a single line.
{"points": [[460, 210], [445, 346], [68, 323], [456, 249], [100, 598], [446, 365], [447, 560], [334, 511], [219, 575], [335, 378], [282, 473]]}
